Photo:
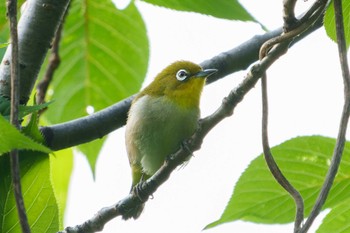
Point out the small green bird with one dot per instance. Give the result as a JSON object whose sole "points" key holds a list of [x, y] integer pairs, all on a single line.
{"points": [[161, 117]]}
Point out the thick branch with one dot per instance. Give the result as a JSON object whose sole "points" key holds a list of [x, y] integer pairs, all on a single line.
{"points": [[36, 29], [101, 123]]}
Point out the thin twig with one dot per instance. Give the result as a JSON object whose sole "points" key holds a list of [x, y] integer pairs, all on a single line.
{"points": [[304, 25], [339, 147], [54, 62], [289, 14], [276, 172], [286, 37], [15, 99]]}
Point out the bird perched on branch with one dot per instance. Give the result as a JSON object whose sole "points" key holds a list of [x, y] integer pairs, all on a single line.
{"points": [[161, 117]]}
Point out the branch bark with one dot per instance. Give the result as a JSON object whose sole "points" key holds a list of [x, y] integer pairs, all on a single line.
{"points": [[36, 29], [101, 123], [147, 188]]}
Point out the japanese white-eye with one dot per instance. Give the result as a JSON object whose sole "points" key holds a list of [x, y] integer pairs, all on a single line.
{"points": [[162, 116]]}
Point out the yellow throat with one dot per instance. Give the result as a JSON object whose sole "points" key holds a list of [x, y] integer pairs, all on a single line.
{"points": [[182, 82]]}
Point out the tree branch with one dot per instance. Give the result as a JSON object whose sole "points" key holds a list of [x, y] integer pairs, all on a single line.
{"points": [[288, 14], [36, 29], [147, 188], [339, 147], [101, 123]]}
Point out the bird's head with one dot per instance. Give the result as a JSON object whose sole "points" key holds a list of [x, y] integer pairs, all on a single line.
{"points": [[182, 82]]}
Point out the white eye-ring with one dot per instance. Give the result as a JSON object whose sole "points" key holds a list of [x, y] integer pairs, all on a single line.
{"points": [[181, 75]]}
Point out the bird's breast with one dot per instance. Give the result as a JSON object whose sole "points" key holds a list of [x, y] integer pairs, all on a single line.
{"points": [[156, 127]]}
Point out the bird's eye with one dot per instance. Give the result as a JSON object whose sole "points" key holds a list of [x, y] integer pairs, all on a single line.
{"points": [[181, 75]]}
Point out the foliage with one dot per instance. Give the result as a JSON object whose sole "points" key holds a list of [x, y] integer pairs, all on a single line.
{"points": [[257, 197], [329, 21], [39, 197], [220, 8], [104, 54], [5, 107], [11, 138]]}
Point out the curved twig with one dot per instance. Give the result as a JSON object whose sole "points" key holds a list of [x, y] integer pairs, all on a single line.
{"points": [[54, 62], [339, 147], [283, 39], [288, 14], [276, 172]]}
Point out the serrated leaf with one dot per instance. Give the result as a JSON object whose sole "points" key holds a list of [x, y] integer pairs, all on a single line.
{"points": [[26, 110], [224, 9], [11, 138], [61, 177], [5, 108], [38, 195], [329, 22], [104, 55], [32, 129], [304, 161]]}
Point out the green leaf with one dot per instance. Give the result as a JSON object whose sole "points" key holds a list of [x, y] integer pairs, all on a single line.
{"points": [[91, 150], [32, 129], [224, 9], [38, 194], [4, 25], [60, 180], [104, 55], [3, 45], [337, 220], [11, 138], [26, 110], [329, 22], [304, 161], [5, 108]]}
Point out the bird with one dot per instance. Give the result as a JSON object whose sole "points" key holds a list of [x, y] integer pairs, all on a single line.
{"points": [[161, 117]]}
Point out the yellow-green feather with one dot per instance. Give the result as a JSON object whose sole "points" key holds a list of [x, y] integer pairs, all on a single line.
{"points": [[161, 116], [184, 93]]}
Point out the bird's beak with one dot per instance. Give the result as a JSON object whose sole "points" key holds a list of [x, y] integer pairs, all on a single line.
{"points": [[205, 73]]}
